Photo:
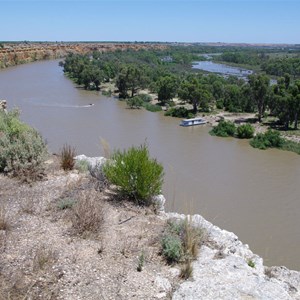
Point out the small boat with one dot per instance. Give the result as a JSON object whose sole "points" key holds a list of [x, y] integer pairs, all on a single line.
{"points": [[192, 122]]}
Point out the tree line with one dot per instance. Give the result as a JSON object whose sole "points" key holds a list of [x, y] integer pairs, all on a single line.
{"points": [[168, 73], [283, 63]]}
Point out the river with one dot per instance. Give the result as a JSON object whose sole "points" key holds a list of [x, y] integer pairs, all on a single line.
{"points": [[225, 70], [255, 194]]}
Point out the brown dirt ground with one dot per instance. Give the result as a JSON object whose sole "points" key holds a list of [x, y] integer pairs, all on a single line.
{"points": [[42, 257]]}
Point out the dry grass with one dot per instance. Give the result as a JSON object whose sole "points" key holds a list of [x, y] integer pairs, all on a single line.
{"points": [[67, 154], [4, 224], [88, 213], [105, 148], [191, 239], [43, 257], [186, 270]]}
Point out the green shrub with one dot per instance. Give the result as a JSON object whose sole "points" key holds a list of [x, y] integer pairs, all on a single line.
{"points": [[245, 131], [224, 129], [137, 175], [22, 149], [251, 263], [291, 146], [179, 112], [172, 248], [135, 102], [145, 97], [270, 139], [66, 203], [141, 261], [152, 107], [181, 241]]}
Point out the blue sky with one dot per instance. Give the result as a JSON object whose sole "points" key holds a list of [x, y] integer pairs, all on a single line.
{"points": [[249, 21]]}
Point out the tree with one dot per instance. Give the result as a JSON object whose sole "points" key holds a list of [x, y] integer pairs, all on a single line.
{"points": [[195, 93], [91, 77], [295, 94], [259, 85], [167, 88], [131, 78]]}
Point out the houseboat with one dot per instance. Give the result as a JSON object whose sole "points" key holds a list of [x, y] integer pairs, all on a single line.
{"points": [[192, 122]]}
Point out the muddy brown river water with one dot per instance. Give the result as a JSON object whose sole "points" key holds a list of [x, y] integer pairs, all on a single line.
{"points": [[255, 194]]}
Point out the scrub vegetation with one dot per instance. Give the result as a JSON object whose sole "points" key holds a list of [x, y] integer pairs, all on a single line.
{"points": [[136, 175], [22, 149]]}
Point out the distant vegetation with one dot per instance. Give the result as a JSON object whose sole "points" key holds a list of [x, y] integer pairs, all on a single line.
{"points": [[168, 74], [273, 61]]}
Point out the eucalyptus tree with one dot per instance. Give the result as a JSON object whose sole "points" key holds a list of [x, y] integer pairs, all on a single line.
{"points": [[195, 93], [167, 88], [259, 85]]}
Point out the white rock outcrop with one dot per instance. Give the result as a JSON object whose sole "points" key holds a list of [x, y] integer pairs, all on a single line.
{"points": [[222, 270]]}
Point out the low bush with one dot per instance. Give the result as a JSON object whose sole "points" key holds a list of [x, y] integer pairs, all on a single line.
{"points": [[145, 97], [270, 139], [22, 149], [251, 263], [152, 107], [181, 242], [137, 176], [179, 112], [67, 154], [66, 203], [224, 129], [291, 146], [245, 131], [135, 102], [172, 248]]}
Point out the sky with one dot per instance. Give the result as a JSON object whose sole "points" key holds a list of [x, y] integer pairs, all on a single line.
{"points": [[231, 21]]}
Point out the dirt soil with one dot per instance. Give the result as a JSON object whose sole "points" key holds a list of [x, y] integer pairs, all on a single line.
{"points": [[43, 255]]}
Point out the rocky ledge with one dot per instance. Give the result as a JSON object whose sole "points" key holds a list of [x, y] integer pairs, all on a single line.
{"points": [[225, 268]]}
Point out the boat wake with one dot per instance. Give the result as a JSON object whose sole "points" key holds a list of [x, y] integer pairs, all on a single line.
{"points": [[35, 103]]}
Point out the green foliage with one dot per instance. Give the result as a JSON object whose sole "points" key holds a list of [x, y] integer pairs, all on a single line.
{"points": [[224, 129], [66, 203], [141, 262], [22, 149], [181, 241], [167, 88], [282, 65], [179, 112], [145, 97], [251, 263], [152, 107], [245, 131], [270, 139], [137, 176], [67, 154], [135, 102], [172, 248], [291, 146]]}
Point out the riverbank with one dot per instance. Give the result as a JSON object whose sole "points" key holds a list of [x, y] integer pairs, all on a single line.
{"points": [[42, 256], [16, 53]]}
